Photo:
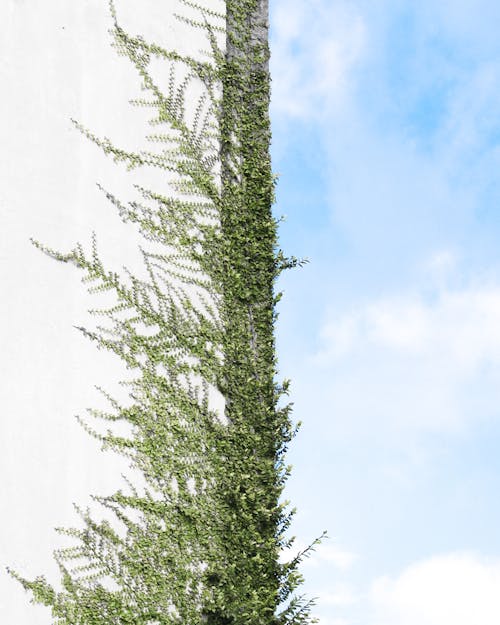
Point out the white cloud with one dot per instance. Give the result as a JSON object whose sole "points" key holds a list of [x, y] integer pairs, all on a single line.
{"points": [[461, 326], [343, 595], [333, 554], [431, 362], [314, 46], [453, 589], [324, 554], [440, 266]]}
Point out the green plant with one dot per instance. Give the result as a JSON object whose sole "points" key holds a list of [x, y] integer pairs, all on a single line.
{"points": [[201, 542]]}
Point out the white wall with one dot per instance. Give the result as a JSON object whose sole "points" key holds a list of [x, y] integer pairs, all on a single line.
{"points": [[56, 63]]}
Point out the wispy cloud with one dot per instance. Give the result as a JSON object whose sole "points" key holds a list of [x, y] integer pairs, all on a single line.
{"points": [[343, 595], [409, 351], [335, 555], [406, 95], [457, 589], [463, 327], [416, 356], [314, 47], [324, 554]]}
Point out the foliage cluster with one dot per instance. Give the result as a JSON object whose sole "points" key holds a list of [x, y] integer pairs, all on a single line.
{"points": [[201, 542]]}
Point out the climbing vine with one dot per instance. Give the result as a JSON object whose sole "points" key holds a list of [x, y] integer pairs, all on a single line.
{"points": [[201, 542]]}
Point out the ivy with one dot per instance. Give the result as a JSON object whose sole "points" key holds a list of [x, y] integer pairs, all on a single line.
{"points": [[202, 541]]}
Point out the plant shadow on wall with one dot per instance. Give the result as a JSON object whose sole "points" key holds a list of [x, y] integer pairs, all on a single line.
{"points": [[201, 541]]}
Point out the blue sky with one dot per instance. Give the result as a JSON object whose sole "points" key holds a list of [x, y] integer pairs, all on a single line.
{"points": [[387, 141]]}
